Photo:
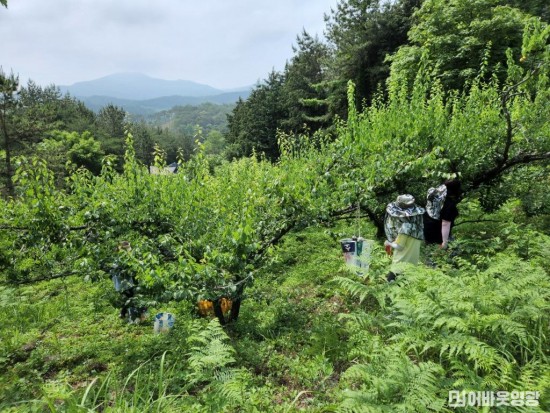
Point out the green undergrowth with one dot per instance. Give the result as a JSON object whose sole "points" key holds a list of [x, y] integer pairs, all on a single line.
{"points": [[64, 348], [311, 336]]}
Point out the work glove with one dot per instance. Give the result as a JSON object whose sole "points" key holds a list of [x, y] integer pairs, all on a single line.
{"points": [[393, 245]]}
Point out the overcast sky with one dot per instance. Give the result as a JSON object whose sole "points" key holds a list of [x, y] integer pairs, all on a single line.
{"points": [[221, 43]]}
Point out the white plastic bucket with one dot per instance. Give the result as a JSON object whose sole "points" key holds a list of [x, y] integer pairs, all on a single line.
{"points": [[163, 322], [357, 254]]}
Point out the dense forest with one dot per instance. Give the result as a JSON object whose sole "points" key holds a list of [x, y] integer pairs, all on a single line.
{"points": [[397, 98]]}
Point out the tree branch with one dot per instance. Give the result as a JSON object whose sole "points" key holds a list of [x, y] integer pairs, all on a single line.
{"points": [[274, 240], [47, 278], [475, 221], [507, 95], [488, 175]]}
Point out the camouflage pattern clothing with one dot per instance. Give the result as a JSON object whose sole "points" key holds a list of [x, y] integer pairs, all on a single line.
{"points": [[404, 229], [435, 200], [407, 221]]}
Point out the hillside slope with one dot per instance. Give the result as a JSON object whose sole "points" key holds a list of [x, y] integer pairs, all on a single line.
{"points": [[312, 336]]}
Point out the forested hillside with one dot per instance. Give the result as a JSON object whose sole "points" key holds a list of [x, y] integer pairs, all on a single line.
{"points": [[38, 120], [369, 42], [151, 107], [208, 116], [317, 152]]}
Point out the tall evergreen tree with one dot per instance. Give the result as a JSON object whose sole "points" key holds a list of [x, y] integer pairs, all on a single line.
{"points": [[111, 127], [143, 142], [74, 115], [253, 125], [362, 33], [26, 114], [304, 91], [9, 86]]}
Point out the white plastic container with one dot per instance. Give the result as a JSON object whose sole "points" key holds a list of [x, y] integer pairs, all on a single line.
{"points": [[357, 254], [163, 322]]}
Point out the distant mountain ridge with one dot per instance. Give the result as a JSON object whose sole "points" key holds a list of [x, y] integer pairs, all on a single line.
{"points": [[143, 95], [150, 106]]}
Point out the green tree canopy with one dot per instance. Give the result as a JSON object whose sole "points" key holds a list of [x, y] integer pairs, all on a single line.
{"points": [[81, 150], [26, 113], [111, 124], [458, 38], [214, 143]]}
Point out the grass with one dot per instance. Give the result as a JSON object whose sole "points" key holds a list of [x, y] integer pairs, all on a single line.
{"points": [[311, 336], [63, 345]]}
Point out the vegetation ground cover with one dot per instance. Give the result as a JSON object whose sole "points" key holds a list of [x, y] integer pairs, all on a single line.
{"points": [[311, 336], [303, 333]]}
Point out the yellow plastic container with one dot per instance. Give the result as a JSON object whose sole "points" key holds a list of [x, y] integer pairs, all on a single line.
{"points": [[206, 307]]}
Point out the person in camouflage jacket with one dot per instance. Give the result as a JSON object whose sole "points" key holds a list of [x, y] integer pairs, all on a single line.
{"points": [[404, 229]]}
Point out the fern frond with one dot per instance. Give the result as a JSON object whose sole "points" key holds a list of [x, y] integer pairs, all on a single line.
{"points": [[233, 385], [210, 352], [354, 288]]}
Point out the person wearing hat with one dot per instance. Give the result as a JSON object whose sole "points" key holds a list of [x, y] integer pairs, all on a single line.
{"points": [[404, 230], [126, 284], [441, 212]]}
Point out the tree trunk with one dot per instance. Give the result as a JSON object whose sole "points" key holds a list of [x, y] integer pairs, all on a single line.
{"points": [[236, 305], [218, 310], [7, 148]]}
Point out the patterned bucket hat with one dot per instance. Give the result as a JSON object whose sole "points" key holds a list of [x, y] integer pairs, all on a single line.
{"points": [[404, 206]]}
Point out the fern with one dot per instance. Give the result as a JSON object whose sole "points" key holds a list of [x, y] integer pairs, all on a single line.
{"points": [[210, 371], [209, 354], [354, 288], [373, 294], [476, 327], [390, 381]]}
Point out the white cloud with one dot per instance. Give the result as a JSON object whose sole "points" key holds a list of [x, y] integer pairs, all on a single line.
{"points": [[221, 43]]}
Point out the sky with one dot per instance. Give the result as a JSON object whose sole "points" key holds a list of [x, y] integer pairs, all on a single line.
{"points": [[221, 43]]}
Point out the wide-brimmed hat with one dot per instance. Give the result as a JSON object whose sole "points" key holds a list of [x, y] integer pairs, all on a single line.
{"points": [[404, 206]]}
